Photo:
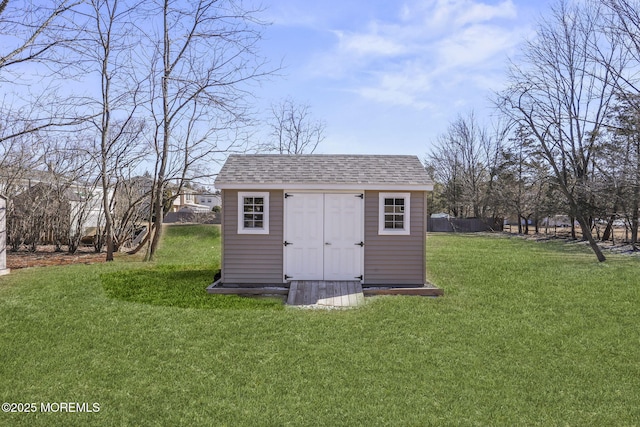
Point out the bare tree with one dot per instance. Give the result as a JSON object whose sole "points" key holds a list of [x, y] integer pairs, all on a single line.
{"points": [[293, 128], [622, 168], [624, 25], [131, 204], [110, 41], [205, 57], [34, 33], [85, 213], [524, 180], [46, 199], [445, 167], [30, 29], [464, 160], [562, 93], [18, 156]]}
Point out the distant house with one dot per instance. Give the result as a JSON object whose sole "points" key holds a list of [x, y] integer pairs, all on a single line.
{"points": [[185, 197], [53, 211], [323, 217], [194, 208], [441, 215], [3, 235], [209, 199], [189, 206]]}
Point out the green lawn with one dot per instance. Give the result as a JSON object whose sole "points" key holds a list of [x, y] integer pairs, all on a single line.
{"points": [[526, 334]]}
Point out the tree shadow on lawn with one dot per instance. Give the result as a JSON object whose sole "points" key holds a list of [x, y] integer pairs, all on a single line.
{"points": [[539, 246], [176, 286]]}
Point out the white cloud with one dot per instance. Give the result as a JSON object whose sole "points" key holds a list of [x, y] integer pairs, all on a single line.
{"points": [[407, 59], [474, 45], [368, 44], [444, 13], [402, 88], [472, 13]]}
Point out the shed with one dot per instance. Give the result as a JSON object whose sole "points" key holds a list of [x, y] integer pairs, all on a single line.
{"points": [[323, 218], [3, 235]]}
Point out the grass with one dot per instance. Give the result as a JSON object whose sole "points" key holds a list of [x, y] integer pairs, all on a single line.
{"points": [[176, 280], [526, 334]]}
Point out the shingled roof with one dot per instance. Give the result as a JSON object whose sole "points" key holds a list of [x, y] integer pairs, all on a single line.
{"points": [[317, 171]]}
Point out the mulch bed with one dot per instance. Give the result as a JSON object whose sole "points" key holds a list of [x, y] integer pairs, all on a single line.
{"points": [[46, 256]]}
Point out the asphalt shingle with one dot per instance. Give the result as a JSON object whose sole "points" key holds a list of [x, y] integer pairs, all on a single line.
{"points": [[322, 169]]}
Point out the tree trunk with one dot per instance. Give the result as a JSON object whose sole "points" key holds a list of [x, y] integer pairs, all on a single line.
{"points": [[144, 241], [586, 234], [107, 209], [634, 224], [157, 224], [166, 129], [636, 199], [608, 231]]}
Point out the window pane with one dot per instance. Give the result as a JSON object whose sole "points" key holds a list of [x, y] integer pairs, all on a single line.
{"points": [[253, 213], [253, 210], [394, 217], [394, 214]]}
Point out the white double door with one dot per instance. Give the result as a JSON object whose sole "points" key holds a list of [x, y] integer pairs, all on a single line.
{"points": [[323, 236]]}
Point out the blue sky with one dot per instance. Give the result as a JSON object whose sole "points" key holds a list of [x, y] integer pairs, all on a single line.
{"points": [[388, 77]]}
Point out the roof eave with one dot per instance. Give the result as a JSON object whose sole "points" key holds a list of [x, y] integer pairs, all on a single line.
{"points": [[328, 187]]}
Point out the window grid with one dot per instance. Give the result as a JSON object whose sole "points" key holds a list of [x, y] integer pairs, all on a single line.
{"points": [[253, 212], [394, 213]]}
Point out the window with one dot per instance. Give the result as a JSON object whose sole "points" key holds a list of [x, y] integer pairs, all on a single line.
{"points": [[253, 213], [394, 214]]}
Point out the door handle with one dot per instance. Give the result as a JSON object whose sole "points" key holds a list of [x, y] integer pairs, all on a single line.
{"points": [[327, 244]]}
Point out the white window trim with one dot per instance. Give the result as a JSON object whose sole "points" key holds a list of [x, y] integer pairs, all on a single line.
{"points": [[265, 223], [407, 213]]}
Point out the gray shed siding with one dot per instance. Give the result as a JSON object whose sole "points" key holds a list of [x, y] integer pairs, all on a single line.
{"points": [[251, 258], [395, 260]]}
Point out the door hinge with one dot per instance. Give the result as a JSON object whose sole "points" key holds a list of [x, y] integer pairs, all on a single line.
{"points": [[287, 195], [287, 277], [361, 244], [287, 243], [359, 277], [360, 195]]}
